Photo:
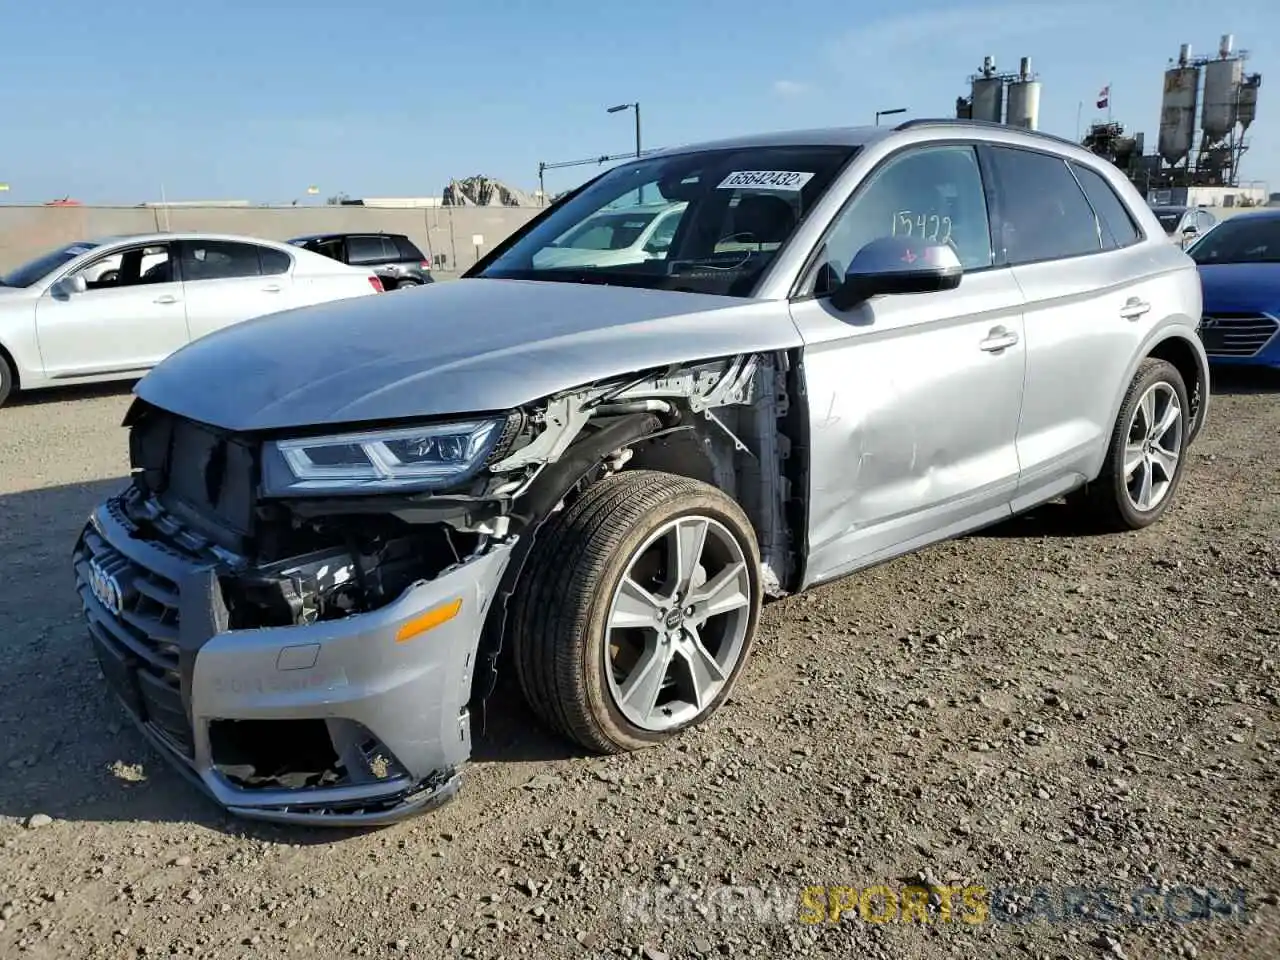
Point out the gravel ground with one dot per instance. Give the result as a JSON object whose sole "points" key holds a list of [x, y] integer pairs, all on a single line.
{"points": [[1024, 712]]}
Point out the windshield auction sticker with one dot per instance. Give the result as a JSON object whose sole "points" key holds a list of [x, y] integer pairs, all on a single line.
{"points": [[766, 179]]}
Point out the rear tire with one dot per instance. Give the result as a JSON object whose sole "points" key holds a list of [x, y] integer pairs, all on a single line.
{"points": [[604, 596], [1147, 454], [407, 284], [7, 379]]}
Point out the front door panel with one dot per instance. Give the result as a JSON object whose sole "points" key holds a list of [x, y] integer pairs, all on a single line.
{"points": [[913, 418]]}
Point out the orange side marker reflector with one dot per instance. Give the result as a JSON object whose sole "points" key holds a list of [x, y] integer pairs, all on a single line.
{"points": [[429, 620]]}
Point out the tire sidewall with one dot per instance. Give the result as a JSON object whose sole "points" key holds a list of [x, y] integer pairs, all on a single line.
{"points": [[1163, 373], [596, 683], [6, 380]]}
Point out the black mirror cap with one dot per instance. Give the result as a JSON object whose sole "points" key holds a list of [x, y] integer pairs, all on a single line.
{"points": [[898, 265]]}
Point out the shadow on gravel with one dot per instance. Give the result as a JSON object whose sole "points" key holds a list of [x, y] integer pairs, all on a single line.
{"points": [[1054, 519], [1231, 381], [116, 388], [67, 748]]}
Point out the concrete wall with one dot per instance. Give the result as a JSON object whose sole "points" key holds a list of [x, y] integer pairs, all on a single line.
{"points": [[26, 232]]}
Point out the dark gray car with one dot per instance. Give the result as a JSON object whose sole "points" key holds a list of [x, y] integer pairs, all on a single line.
{"points": [[392, 256]]}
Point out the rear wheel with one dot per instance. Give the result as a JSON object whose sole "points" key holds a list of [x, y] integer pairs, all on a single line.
{"points": [[1147, 453], [407, 284], [638, 610]]}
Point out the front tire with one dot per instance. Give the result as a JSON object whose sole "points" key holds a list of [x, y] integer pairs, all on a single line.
{"points": [[7, 379], [637, 611], [1147, 453]]}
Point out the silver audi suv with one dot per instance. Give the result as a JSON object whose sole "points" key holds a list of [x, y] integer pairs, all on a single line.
{"points": [[344, 520]]}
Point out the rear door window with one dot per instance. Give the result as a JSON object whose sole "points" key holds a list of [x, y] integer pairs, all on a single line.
{"points": [[368, 250], [218, 260], [1044, 213], [274, 262]]}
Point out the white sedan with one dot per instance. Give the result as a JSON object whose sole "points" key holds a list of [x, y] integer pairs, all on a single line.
{"points": [[111, 309]]}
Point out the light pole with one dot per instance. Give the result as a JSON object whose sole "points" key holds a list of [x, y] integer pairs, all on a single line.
{"points": [[636, 107], [630, 106], [887, 113]]}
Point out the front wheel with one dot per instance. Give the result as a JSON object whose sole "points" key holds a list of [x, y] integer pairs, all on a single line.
{"points": [[637, 611], [1147, 453], [7, 379]]}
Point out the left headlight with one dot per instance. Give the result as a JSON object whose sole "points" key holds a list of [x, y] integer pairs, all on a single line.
{"points": [[425, 457]]}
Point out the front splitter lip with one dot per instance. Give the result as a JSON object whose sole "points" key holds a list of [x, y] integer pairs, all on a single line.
{"points": [[397, 804]]}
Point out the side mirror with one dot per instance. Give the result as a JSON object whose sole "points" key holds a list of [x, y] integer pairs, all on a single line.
{"points": [[69, 285], [890, 265]]}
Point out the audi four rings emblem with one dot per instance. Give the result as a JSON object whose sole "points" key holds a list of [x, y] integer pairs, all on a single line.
{"points": [[105, 588]]}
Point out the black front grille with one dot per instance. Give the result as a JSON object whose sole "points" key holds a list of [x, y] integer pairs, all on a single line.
{"points": [[203, 477], [135, 636], [1236, 334]]}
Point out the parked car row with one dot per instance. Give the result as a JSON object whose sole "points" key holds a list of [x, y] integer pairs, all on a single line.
{"points": [[592, 468], [113, 307]]}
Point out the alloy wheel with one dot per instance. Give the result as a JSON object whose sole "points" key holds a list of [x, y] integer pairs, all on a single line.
{"points": [[1154, 447], [677, 623]]}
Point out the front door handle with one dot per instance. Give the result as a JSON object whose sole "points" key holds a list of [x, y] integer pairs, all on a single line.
{"points": [[998, 339], [271, 288], [1134, 308], [167, 298]]}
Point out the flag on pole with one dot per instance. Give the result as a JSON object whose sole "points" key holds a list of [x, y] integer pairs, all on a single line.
{"points": [[1104, 97]]}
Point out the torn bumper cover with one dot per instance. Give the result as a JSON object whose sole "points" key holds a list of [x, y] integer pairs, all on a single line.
{"points": [[357, 720]]}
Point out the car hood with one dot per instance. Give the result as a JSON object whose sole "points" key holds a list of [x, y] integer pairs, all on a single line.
{"points": [[448, 348], [1241, 286]]}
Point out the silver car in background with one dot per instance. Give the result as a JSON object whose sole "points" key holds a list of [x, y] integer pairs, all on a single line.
{"points": [[112, 308], [858, 342], [1184, 225]]}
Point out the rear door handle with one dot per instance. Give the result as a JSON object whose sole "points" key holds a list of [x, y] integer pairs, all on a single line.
{"points": [[1134, 308], [167, 298], [271, 288], [998, 339]]}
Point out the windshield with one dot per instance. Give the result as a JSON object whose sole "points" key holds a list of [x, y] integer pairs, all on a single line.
{"points": [[33, 272], [1169, 219], [725, 215], [1242, 240]]}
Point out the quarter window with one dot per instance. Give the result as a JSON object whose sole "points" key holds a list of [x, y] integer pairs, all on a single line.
{"points": [[1118, 227], [933, 193], [1044, 213]]}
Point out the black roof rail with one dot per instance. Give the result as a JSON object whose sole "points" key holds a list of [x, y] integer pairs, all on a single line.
{"points": [[981, 125]]}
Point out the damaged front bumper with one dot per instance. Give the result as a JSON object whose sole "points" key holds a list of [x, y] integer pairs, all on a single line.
{"points": [[357, 720]]}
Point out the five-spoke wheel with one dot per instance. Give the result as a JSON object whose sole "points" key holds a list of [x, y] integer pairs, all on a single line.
{"points": [[637, 610]]}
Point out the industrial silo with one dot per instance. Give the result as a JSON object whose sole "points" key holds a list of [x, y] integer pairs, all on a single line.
{"points": [[1178, 108], [1222, 81], [988, 93], [1248, 109], [1024, 99]]}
